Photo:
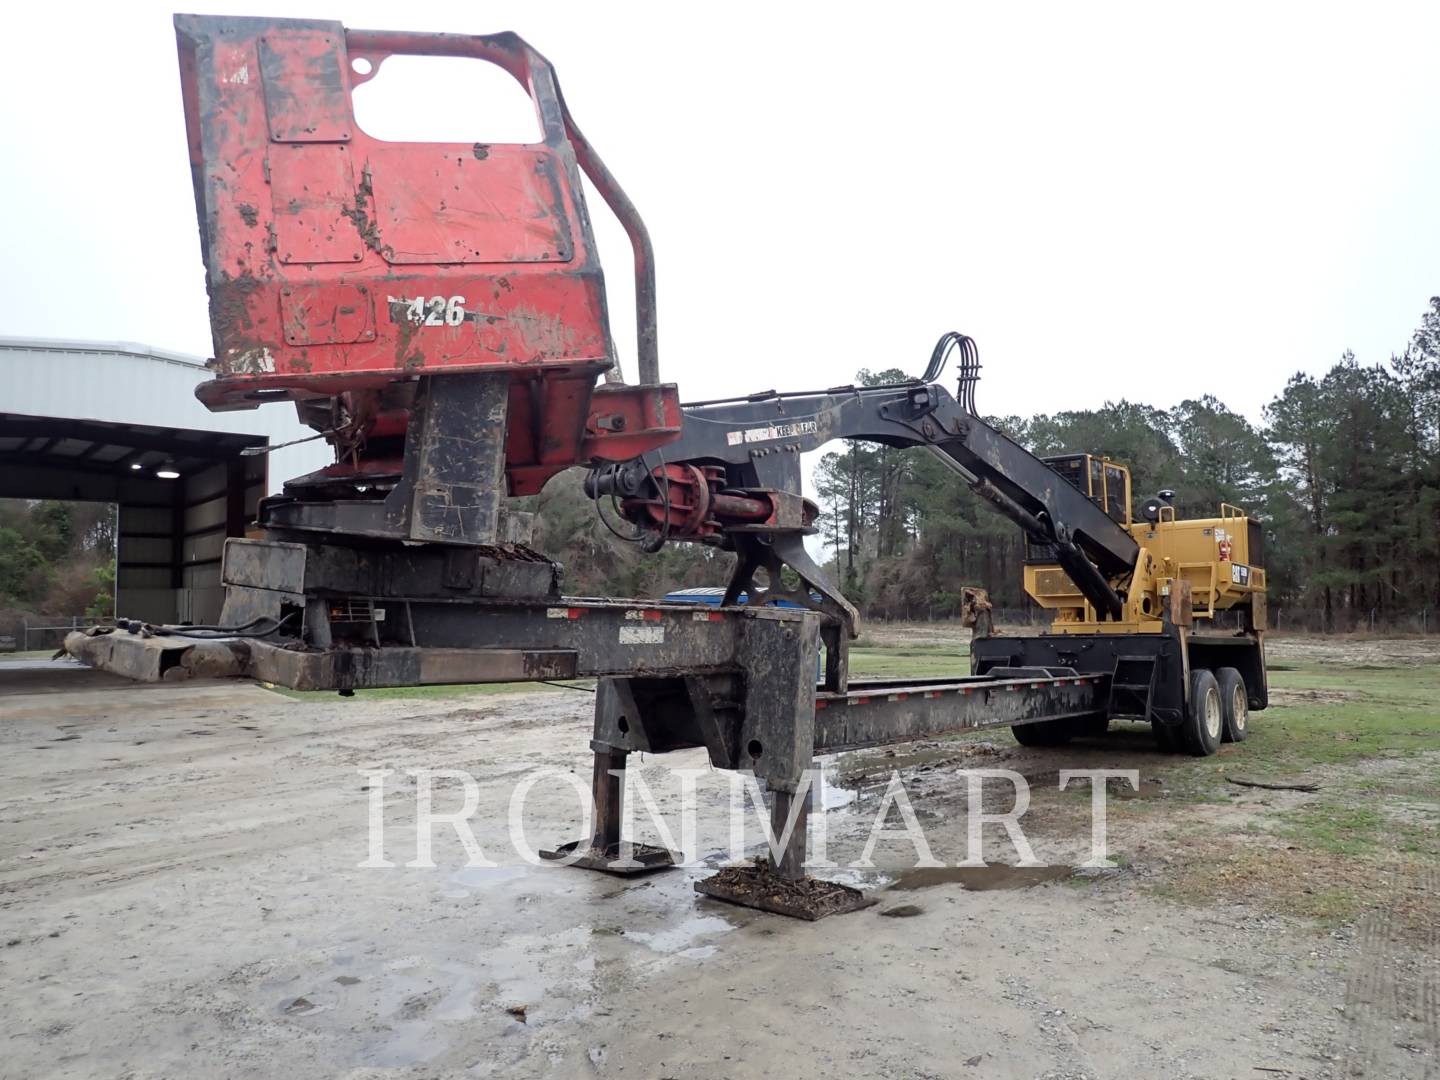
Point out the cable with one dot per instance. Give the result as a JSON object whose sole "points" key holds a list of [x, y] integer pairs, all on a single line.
{"points": [[600, 512], [136, 625], [256, 451], [650, 544], [939, 355], [567, 686], [210, 633], [655, 543], [949, 342]]}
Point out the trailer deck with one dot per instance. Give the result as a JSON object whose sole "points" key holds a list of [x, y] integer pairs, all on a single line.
{"points": [[878, 712]]}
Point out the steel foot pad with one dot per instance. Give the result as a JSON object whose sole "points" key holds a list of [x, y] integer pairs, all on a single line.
{"points": [[622, 858], [755, 885]]}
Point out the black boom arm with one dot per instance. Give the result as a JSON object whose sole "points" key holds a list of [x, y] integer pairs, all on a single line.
{"points": [[758, 440]]}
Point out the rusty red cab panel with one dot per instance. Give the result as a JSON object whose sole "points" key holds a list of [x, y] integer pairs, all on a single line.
{"points": [[338, 262]]}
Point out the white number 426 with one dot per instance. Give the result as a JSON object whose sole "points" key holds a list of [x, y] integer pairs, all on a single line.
{"points": [[434, 311]]}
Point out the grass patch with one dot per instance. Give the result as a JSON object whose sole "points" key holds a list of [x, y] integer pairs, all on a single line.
{"points": [[1322, 716], [1378, 829], [1369, 838], [1306, 884], [909, 661], [1335, 827]]}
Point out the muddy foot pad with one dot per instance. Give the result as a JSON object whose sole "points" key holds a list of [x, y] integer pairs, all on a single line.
{"points": [[755, 885], [639, 859]]}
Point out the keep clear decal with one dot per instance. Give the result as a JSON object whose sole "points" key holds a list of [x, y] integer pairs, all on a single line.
{"points": [[642, 635], [772, 431]]}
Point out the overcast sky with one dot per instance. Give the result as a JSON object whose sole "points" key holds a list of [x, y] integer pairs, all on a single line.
{"points": [[1127, 200]]}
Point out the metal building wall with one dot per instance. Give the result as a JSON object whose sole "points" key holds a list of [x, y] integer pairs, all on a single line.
{"points": [[218, 502], [171, 532], [122, 382]]}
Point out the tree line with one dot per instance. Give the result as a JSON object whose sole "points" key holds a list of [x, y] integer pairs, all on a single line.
{"points": [[56, 558], [1344, 472]]}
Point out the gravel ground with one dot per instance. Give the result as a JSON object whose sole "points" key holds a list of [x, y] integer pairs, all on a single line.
{"points": [[181, 897]]}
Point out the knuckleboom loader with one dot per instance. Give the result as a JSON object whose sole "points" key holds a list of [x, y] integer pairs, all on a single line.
{"points": [[437, 313], [1140, 603], [1159, 628]]}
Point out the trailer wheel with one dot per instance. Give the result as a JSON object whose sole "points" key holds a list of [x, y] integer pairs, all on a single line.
{"points": [[1043, 733], [1093, 726], [1236, 704], [1204, 715]]}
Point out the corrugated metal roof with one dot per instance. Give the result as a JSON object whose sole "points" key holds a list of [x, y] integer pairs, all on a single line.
{"points": [[95, 447], [88, 384], [80, 345]]}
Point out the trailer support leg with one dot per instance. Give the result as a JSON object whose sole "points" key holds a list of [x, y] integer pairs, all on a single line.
{"points": [[608, 790], [605, 850], [791, 864]]}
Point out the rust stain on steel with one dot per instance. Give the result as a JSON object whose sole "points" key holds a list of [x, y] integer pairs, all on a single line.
{"points": [[359, 214], [231, 323]]}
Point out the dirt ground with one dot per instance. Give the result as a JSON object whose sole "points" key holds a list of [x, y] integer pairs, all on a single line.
{"points": [[179, 896]]}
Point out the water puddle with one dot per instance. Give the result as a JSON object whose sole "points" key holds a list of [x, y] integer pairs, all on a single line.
{"points": [[682, 939], [856, 877], [832, 795], [981, 878], [411, 1043]]}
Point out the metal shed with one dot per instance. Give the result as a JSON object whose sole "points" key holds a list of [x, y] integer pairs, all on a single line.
{"points": [[118, 422]]}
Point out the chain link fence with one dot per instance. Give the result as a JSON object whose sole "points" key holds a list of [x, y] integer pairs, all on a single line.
{"points": [[1373, 621], [35, 632]]}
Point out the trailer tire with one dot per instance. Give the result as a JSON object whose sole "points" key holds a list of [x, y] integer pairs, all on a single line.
{"points": [[1204, 715], [1043, 733], [1093, 726], [1235, 700]]}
